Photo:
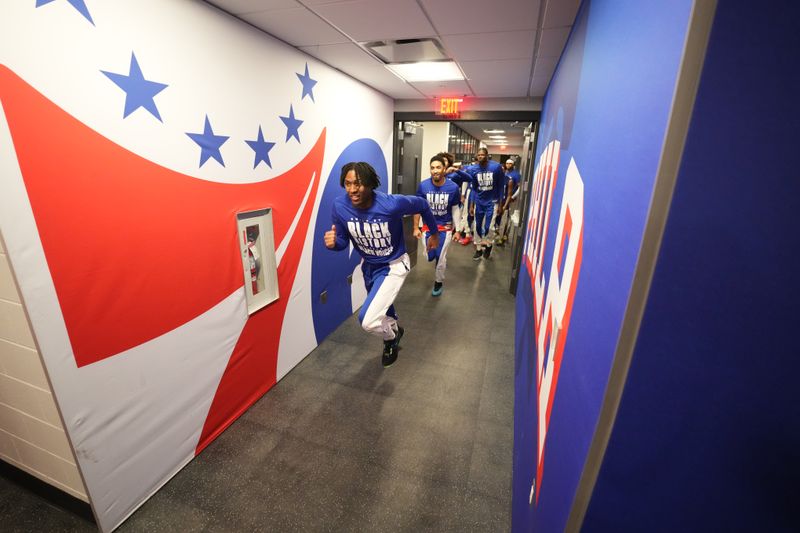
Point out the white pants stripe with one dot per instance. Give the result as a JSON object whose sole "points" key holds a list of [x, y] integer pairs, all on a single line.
{"points": [[445, 237], [385, 287]]}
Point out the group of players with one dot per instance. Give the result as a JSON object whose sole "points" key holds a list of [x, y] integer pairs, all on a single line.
{"points": [[451, 203]]}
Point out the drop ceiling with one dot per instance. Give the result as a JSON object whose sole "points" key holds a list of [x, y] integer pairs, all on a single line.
{"points": [[506, 48]]}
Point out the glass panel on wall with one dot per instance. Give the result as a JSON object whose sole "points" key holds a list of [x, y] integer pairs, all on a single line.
{"points": [[461, 144]]}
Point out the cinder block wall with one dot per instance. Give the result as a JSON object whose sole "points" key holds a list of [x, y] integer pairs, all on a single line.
{"points": [[32, 437]]}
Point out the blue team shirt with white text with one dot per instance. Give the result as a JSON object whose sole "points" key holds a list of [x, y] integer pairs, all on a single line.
{"points": [[376, 232], [487, 182], [441, 199]]}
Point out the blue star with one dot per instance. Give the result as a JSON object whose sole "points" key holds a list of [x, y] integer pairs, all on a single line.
{"points": [[209, 144], [80, 5], [139, 92], [308, 84], [292, 125], [261, 148]]}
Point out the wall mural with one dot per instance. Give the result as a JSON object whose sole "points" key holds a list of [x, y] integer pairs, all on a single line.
{"points": [[125, 156], [603, 124]]}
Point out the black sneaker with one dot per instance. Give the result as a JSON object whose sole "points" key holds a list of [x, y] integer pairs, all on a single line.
{"points": [[389, 353], [390, 348], [487, 252], [437, 288], [477, 256]]}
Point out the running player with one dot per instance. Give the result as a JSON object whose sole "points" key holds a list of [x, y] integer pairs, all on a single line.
{"points": [[443, 196], [487, 185], [373, 222], [510, 196]]}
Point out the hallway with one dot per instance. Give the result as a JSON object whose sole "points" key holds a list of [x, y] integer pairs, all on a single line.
{"points": [[341, 444]]}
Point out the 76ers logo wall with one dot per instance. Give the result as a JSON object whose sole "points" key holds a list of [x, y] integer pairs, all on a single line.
{"points": [[553, 294]]}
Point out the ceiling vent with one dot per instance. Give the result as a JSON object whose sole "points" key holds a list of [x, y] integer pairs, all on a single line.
{"points": [[407, 50]]}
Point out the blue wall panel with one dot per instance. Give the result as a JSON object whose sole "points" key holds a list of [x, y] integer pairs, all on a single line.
{"points": [[608, 106], [707, 437]]}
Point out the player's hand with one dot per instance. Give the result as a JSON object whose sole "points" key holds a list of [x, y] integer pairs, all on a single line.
{"points": [[330, 237], [433, 242], [417, 233]]}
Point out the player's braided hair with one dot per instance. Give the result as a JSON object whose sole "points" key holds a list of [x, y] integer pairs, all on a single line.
{"points": [[364, 172]]}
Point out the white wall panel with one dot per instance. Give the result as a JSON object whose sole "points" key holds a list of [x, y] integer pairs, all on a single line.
{"points": [[137, 414]]}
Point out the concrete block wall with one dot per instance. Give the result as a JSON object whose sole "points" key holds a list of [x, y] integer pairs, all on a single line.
{"points": [[32, 437]]}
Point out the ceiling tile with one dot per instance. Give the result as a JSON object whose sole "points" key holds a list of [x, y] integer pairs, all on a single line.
{"points": [[239, 7], [545, 66], [438, 89], [561, 13], [342, 56], [553, 41], [296, 26], [509, 78], [488, 46], [353, 61], [393, 87], [453, 17], [373, 20], [321, 2], [539, 85]]}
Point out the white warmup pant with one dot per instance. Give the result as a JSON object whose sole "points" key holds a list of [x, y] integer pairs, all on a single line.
{"points": [[462, 220], [383, 283], [440, 254]]}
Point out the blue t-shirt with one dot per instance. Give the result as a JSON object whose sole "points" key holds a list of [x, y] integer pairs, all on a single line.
{"points": [[441, 199], [487, 182], [513, 176], [458, 177], [377, 232]]}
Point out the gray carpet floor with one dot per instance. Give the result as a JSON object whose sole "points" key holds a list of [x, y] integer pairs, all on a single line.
{"points": [[342, 444]]}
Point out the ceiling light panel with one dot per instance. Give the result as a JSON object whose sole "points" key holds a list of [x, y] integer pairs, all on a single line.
{"points": [[427, 71]]}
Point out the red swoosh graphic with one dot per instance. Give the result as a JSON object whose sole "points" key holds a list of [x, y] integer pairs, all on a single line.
{"points": [[134, 249]]}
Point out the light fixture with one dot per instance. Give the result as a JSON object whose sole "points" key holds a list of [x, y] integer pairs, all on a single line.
{"points": [[497, 137], [427, 71], [494, 131]]}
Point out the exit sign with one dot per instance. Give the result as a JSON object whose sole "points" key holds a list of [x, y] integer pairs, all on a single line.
{"points": [[449, 107]]}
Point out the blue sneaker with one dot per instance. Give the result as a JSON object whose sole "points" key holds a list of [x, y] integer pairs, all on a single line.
{"points": [[437, 289]]}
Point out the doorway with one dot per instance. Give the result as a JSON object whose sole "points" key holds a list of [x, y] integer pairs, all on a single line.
{"points": [[519, 128]]}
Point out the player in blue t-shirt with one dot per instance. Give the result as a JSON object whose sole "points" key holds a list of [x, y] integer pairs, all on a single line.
{"points": [[462, 220], [512, 191], [443, 196], [488, 180], [373, 222]]}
